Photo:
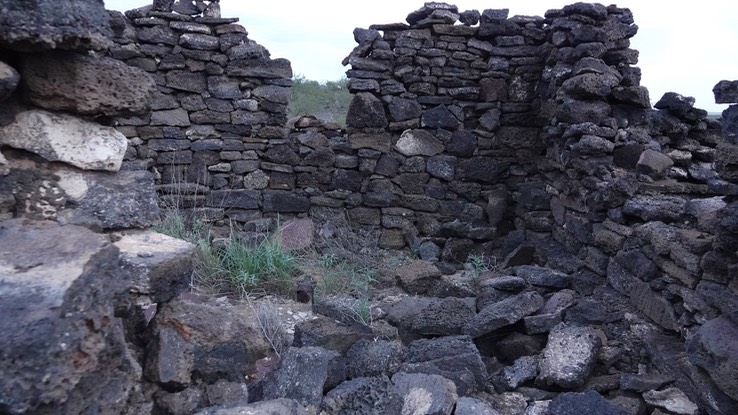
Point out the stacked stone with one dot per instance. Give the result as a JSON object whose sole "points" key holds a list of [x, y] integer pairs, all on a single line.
{"points": [[726, 92], [63, 280], [461, 99], [221, 102], [635, 194]]}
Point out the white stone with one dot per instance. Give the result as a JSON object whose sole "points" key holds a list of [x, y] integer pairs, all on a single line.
{"points": [[59, 137], [4, 169], [569, 356], [159, 265], [256, 180], [220, 167], [673, 400], [418, 143]]}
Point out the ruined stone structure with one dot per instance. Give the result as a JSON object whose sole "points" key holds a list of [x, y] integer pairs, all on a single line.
{"points": [[527, 139], [221, 102]]}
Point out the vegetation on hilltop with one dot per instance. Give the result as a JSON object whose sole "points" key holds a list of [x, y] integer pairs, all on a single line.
{"points": [[327, 101]]}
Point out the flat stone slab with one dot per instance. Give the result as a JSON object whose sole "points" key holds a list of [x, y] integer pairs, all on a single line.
{"points": [[57, 285], [569, 356], [425, 394], [60, 137], [160, 266], [503, 313], [280, 406], [673, 400]]}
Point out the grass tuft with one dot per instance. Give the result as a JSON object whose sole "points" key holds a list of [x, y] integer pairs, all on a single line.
{"points": [[237, 266], [266, 266]]}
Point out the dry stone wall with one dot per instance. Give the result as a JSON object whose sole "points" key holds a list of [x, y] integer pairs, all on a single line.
{"points": [[592, 180], [221, 101], [537, 130], [522, 137], [528, 139]]}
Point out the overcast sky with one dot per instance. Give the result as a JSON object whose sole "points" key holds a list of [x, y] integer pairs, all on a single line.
{"points": [[685, 47]]}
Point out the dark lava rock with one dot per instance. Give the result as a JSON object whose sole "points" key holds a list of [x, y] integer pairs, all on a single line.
{"points": [[363, 396], [584, 403], [714, 348], [503, 313], [329, 334], [543, 277], [444, 316], [366, 111], [453, 357], [54, 24], [62, 347], [304, 374], [726, 92], [368, 358]]}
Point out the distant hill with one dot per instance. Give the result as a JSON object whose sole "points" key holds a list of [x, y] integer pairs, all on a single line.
{"points": [[327, 101]]}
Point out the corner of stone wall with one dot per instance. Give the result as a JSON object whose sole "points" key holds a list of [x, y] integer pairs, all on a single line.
{"points": [[216, 137]]}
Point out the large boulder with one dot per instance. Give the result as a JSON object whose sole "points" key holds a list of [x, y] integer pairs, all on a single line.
{"points": [[453, 357], [713, 348], [305, 374], [86, 85], [187, 342], [62, 350], [59, 137], [54, 24], [160, 266]]}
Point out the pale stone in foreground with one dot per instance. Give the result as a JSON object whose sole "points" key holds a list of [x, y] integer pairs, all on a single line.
{"points": [[59, 137]]}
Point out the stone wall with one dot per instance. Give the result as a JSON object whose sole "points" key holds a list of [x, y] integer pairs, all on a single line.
{"points": [[221, 100], [522, 136], [73, 256], [528, 139], [565, 147], [536, 131]]}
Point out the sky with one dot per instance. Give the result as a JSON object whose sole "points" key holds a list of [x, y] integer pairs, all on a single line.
{"points": [[685, 47]]}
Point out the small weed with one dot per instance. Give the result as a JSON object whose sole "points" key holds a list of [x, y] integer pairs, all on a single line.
{"points": [[363, 312], [344, 277], [175, 224], [265, 266], [477, 264], [270, 323]]}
